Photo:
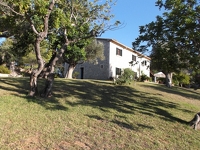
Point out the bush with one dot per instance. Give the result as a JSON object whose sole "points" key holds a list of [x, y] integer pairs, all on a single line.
{"points": [[144, 77], [181, 78], [4, 69], [75, 75], [126, 78]]}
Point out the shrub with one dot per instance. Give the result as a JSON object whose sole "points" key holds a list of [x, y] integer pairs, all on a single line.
{"points": [[4, 69], [181, 78], [75, 75], [126, 78], [144, 77]]}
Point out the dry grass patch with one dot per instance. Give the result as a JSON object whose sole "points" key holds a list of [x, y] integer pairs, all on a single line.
{"points": [[91, 114]]}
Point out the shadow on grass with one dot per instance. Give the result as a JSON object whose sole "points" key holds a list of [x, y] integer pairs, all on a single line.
{"points": [[124, 99], [102, 95], [185, 92], [20, 87]]}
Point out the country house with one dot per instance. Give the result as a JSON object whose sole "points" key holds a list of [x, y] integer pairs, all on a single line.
{"points": [[117, 58]]}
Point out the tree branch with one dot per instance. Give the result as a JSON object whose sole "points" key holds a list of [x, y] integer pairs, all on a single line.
{"points": [[9, 8], [46, 19]]}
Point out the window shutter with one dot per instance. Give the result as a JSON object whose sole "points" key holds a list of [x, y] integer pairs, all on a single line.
{"points": [[118, 71], [133, 57]]}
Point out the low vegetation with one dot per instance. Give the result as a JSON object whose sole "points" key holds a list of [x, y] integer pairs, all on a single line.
{"points": [[126, 78], [4, 69], [91, 114]]}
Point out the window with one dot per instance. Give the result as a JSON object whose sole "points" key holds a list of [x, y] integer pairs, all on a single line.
{"points": [[118, 52], [144, 63], [133, 58], [118, 71], [101, 66]]}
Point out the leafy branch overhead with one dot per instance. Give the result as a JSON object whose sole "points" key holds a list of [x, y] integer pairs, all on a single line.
{"points": [[174, 36], [65, 27]]}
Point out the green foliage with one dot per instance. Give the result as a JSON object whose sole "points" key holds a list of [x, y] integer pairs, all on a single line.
{"points": [[75, 53], [4, 69], [85, 21], [75, 75], [94, 51], [30, 59], [181, 78], [126, 78], [173, 36], [144, 77], [6, 53], [24, 44], [72, 26]]}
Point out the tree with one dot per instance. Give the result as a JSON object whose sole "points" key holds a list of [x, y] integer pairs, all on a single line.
{"points": [[66, 26], [85, 20], [30, 60], [163, 53], [181, 78], [6, 54], [94, 51], [126, 78], [173, 37], [34, 17]]}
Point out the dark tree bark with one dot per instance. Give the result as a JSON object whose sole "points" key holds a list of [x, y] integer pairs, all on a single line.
{"points": [[35, 73], [40, 61], [49, 73], [50, 67], [47, 91]]}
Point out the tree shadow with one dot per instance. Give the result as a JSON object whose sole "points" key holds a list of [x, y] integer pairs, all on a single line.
{"points": [[16, 85], [102, 95], [48, 103], [19, 87], [123, 99], [187, 93]]}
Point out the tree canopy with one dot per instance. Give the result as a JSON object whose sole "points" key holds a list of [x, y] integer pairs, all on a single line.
{"points": [[83, 21], [67, 26], [173, 37]]}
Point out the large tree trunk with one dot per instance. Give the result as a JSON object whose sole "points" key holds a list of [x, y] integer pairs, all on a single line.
{"points": [[33, 84], [70, 71], [47, 91], [49, 72], [50, 67], [168, 79], [40, 61], [35, 73]]}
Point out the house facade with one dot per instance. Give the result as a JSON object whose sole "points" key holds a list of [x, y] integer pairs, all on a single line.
{"points": [[117, 58]]}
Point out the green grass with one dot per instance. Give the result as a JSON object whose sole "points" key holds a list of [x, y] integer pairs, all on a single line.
{"points": [[91, 114]]}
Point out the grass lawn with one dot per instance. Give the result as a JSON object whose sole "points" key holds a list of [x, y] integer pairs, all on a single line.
{"points": [[96, 115]]}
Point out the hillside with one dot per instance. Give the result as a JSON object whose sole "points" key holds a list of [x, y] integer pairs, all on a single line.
{"points": [[91, 114]]}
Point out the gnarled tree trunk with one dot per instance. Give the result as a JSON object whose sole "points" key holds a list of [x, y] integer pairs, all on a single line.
{"points": [[70, 71], [47, 91], [49, 72], [40, 61], [35, 73], [168, 79]]}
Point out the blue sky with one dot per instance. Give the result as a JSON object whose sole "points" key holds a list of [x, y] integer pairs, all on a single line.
{"points": [[133, 13], [1, 39]]}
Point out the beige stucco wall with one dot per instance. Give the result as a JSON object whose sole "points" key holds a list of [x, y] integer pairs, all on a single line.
{"points": [[96, 71], [107, 68], [123, 61]]}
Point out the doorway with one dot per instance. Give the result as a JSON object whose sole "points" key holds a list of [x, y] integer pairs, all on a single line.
{"points": [[82, 72]]}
